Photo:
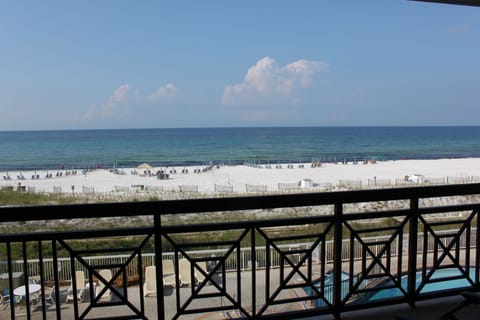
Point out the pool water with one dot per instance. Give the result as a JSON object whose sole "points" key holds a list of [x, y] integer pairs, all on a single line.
{"points": [[429, 287], [392, 292]]}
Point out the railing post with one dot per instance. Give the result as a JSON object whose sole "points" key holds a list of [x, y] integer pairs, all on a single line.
{"points": [[253, 258], [477, 247], [10, 280], [158, 266], [337, 260], [412, 251], [56, 279]]}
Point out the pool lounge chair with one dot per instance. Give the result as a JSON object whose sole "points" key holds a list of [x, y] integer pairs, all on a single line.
{"points": [[150, 284], [199, 276], [49, 294], [168, 273], [106, 274], [185, 272], [80, 283]]}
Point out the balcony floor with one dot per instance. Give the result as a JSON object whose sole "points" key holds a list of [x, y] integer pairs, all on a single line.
{"points": [[424, 310], [428, 310]]}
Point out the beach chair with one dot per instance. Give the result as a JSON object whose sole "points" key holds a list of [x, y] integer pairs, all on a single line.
{"points": [[168, 273], [3, 301], [49, 294], [150, 284], [80, 283], [106, 274], [185, 272], [199, 276], [5, 298]]}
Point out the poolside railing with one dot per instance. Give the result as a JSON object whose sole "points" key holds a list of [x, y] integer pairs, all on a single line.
{"points": [[255, 268]]}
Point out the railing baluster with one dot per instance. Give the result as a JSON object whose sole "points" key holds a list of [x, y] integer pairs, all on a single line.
{"points": [[140, 281], [337, 260], [477, 248], [42, 279], [412, 251], [10, 280], [56, 279], [27, 279], [159, 265], [254, 276]]}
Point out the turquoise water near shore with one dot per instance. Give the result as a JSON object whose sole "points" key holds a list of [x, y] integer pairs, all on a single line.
{"points": [[26, 150]]}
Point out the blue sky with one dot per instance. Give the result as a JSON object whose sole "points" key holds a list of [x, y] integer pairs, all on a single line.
{"points": [[215, 63]]}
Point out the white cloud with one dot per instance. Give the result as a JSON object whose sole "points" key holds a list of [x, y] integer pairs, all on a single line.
{"points": [[267, 82], [165, 92], [111, 105], [125, 96], [118, 97]]}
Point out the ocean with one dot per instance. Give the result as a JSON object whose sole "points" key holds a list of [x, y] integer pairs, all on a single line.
{"points": [[29, 150]]}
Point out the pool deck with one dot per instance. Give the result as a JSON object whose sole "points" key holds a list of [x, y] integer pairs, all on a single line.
{"points": [[430, 309]]}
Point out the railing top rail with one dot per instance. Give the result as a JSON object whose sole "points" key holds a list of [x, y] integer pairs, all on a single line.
{"points": [[99, 210]]}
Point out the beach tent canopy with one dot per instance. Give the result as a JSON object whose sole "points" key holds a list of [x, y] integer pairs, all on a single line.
{"points": [[144, 166]]}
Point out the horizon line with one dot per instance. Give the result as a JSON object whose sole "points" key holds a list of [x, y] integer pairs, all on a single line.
{"points": [[245, 127]]}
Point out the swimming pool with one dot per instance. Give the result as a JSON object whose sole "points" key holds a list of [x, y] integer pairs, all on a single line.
{"points": [[438, 285], [435, 284]]}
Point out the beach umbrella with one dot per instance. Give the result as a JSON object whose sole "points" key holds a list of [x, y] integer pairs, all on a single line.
{"points": [[144, 166]]}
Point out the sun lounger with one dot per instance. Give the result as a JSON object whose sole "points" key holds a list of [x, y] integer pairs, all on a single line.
{"points": [[106, 274], [80, 283], [199, 276], [168, 273], [150, 284], [185, 272]]}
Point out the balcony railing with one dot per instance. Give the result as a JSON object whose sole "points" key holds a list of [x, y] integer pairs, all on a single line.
{"points": [[327, 261]]}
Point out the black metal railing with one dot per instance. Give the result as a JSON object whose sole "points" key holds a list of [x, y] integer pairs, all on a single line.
{"points": [[325, 263]]}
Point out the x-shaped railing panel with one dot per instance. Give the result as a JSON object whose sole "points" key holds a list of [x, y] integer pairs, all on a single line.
{"points": [[303, 259], [121, 297], [217, 265], [376, 266], [451, 244]]}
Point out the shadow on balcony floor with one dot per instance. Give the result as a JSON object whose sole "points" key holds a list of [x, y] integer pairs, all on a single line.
{"points": [[425, 310]]}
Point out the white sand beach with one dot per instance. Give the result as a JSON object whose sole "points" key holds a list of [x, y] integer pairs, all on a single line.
{"points": [[241, 178]]}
